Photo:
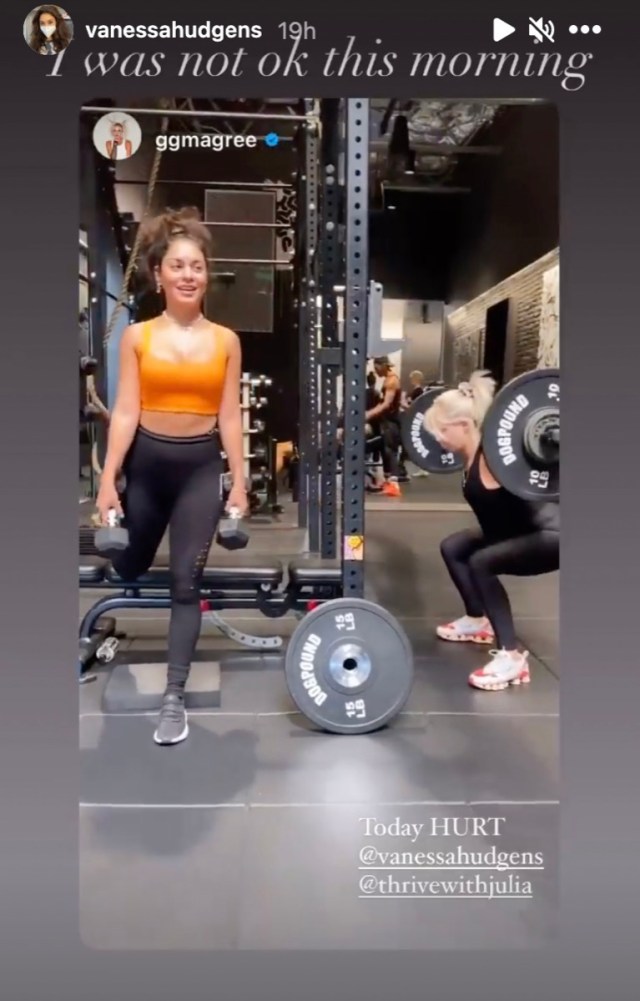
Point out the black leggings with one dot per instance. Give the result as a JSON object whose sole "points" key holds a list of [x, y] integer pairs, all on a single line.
{"points": [[173, 483], [475, 563], [391, 443], [373, 444]]}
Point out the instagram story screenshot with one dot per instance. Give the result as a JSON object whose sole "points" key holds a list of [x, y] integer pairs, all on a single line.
{"points": [[343, 685]]}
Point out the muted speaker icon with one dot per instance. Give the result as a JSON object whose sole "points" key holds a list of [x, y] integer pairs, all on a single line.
{"points": [[541, 30]]}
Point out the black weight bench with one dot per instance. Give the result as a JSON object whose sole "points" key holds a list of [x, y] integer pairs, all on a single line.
{"points": [[241, 573], [238, 581], [241, 582], [314, 579]]}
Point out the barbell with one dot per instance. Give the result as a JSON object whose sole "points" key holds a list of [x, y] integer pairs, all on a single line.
{"points": [[520, 436], [349, 665]]}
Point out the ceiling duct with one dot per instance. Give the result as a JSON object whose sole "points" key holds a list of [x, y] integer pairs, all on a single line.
{"points": [[404, 134]]}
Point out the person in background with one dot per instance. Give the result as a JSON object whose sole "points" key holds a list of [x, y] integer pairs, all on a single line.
{"points": [[372, 397], [373, 434], [388, 412], [416, 381]]}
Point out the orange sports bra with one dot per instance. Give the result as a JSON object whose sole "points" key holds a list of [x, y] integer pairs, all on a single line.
{"points": [[181, 387]]}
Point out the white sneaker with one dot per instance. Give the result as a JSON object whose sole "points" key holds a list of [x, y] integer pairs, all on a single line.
{"points": [[502, 670], [172, 723], [466, 630]]}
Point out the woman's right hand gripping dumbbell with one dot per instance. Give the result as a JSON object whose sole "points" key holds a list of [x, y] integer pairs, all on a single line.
{"points": [[108, 500]]}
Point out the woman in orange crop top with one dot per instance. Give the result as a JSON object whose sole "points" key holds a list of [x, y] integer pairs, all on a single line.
{"points": [[177, 407]]}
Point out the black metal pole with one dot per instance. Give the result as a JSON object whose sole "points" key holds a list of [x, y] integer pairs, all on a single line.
{"points": [[355, 344], [251, 185], [312, 335], [303, 343], [246, 116], [272, 479], [331, 275]]}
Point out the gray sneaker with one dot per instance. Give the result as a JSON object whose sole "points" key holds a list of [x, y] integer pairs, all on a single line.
{"points": [[172, 724]]}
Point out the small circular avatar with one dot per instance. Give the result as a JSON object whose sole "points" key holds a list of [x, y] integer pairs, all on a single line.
{"points": [[48, 29], [117, 136]]}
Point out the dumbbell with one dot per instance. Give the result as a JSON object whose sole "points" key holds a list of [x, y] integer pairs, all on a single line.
{"points": [[230, 535], [112, 536]]}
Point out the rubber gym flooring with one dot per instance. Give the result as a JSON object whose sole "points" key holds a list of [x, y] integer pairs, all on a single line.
{"points": [[249, 835]]}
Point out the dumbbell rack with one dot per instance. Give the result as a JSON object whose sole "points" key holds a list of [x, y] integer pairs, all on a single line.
{"points": [[261, 486], [261, 479], [266, 497], [250, 387]]}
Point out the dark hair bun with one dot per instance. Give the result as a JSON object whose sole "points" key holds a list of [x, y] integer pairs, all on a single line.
{"points": [[157, 232]]}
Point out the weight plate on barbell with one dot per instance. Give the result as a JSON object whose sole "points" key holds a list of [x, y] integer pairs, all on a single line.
{"points": [[521, 436], [422, 448], [349, 666]]}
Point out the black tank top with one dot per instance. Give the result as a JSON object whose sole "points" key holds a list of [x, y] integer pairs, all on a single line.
{"points": [[500, 514]]}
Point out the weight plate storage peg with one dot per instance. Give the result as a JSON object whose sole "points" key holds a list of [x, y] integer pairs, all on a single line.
{"points": [[349, 666], [422, 448], [521, 436]]}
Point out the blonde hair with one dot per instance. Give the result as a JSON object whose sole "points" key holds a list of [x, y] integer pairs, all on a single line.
{"points": [[470, 401]]}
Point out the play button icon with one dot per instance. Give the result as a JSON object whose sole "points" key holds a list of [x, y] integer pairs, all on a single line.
{"points": [[501, 29]]}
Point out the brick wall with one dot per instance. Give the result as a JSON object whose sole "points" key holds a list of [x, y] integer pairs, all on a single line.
{"points": [[464, 326]]}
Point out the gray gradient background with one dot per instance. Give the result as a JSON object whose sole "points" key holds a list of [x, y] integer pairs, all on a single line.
{"points": [[41, 951]]}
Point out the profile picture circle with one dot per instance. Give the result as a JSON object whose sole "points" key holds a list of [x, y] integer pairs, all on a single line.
{"points": [[48, 29], [117, 136]]}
